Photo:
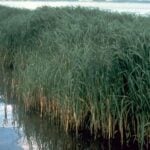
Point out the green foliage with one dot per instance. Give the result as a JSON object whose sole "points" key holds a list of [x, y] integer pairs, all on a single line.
{"points": [[88, 60]]}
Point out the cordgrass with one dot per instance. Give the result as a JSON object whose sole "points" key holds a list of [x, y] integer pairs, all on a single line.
{"points": [[89, 68]]}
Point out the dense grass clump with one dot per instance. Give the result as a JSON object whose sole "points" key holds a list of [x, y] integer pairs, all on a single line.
{"points": [[91, 69]]}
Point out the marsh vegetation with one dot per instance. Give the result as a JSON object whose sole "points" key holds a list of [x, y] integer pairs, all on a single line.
{"points": [[87, 69]]}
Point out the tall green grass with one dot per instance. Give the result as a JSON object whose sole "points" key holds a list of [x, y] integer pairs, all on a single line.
{"points": [[90, 68]]}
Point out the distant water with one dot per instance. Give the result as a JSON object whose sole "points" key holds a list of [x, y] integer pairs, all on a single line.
{"points": [[137, 8]]}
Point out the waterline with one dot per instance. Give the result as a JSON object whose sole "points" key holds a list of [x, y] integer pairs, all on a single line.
{"points": [[137, 8]]}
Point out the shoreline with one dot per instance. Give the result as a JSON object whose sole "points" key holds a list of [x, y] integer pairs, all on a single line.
{"points": [[121, 7]]}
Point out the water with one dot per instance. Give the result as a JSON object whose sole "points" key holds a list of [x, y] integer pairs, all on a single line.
{"points": [[136, 8], [11, 137], [23, 131]]}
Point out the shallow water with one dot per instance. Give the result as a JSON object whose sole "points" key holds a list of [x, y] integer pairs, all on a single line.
{"points": [[10, 135], [23, 131], [20, 130], [136, 8]]}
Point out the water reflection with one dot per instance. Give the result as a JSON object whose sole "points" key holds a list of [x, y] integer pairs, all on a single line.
{"points": [[5, 115], [25, 131], [8, 130], [20, 130], [42, 134]]}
